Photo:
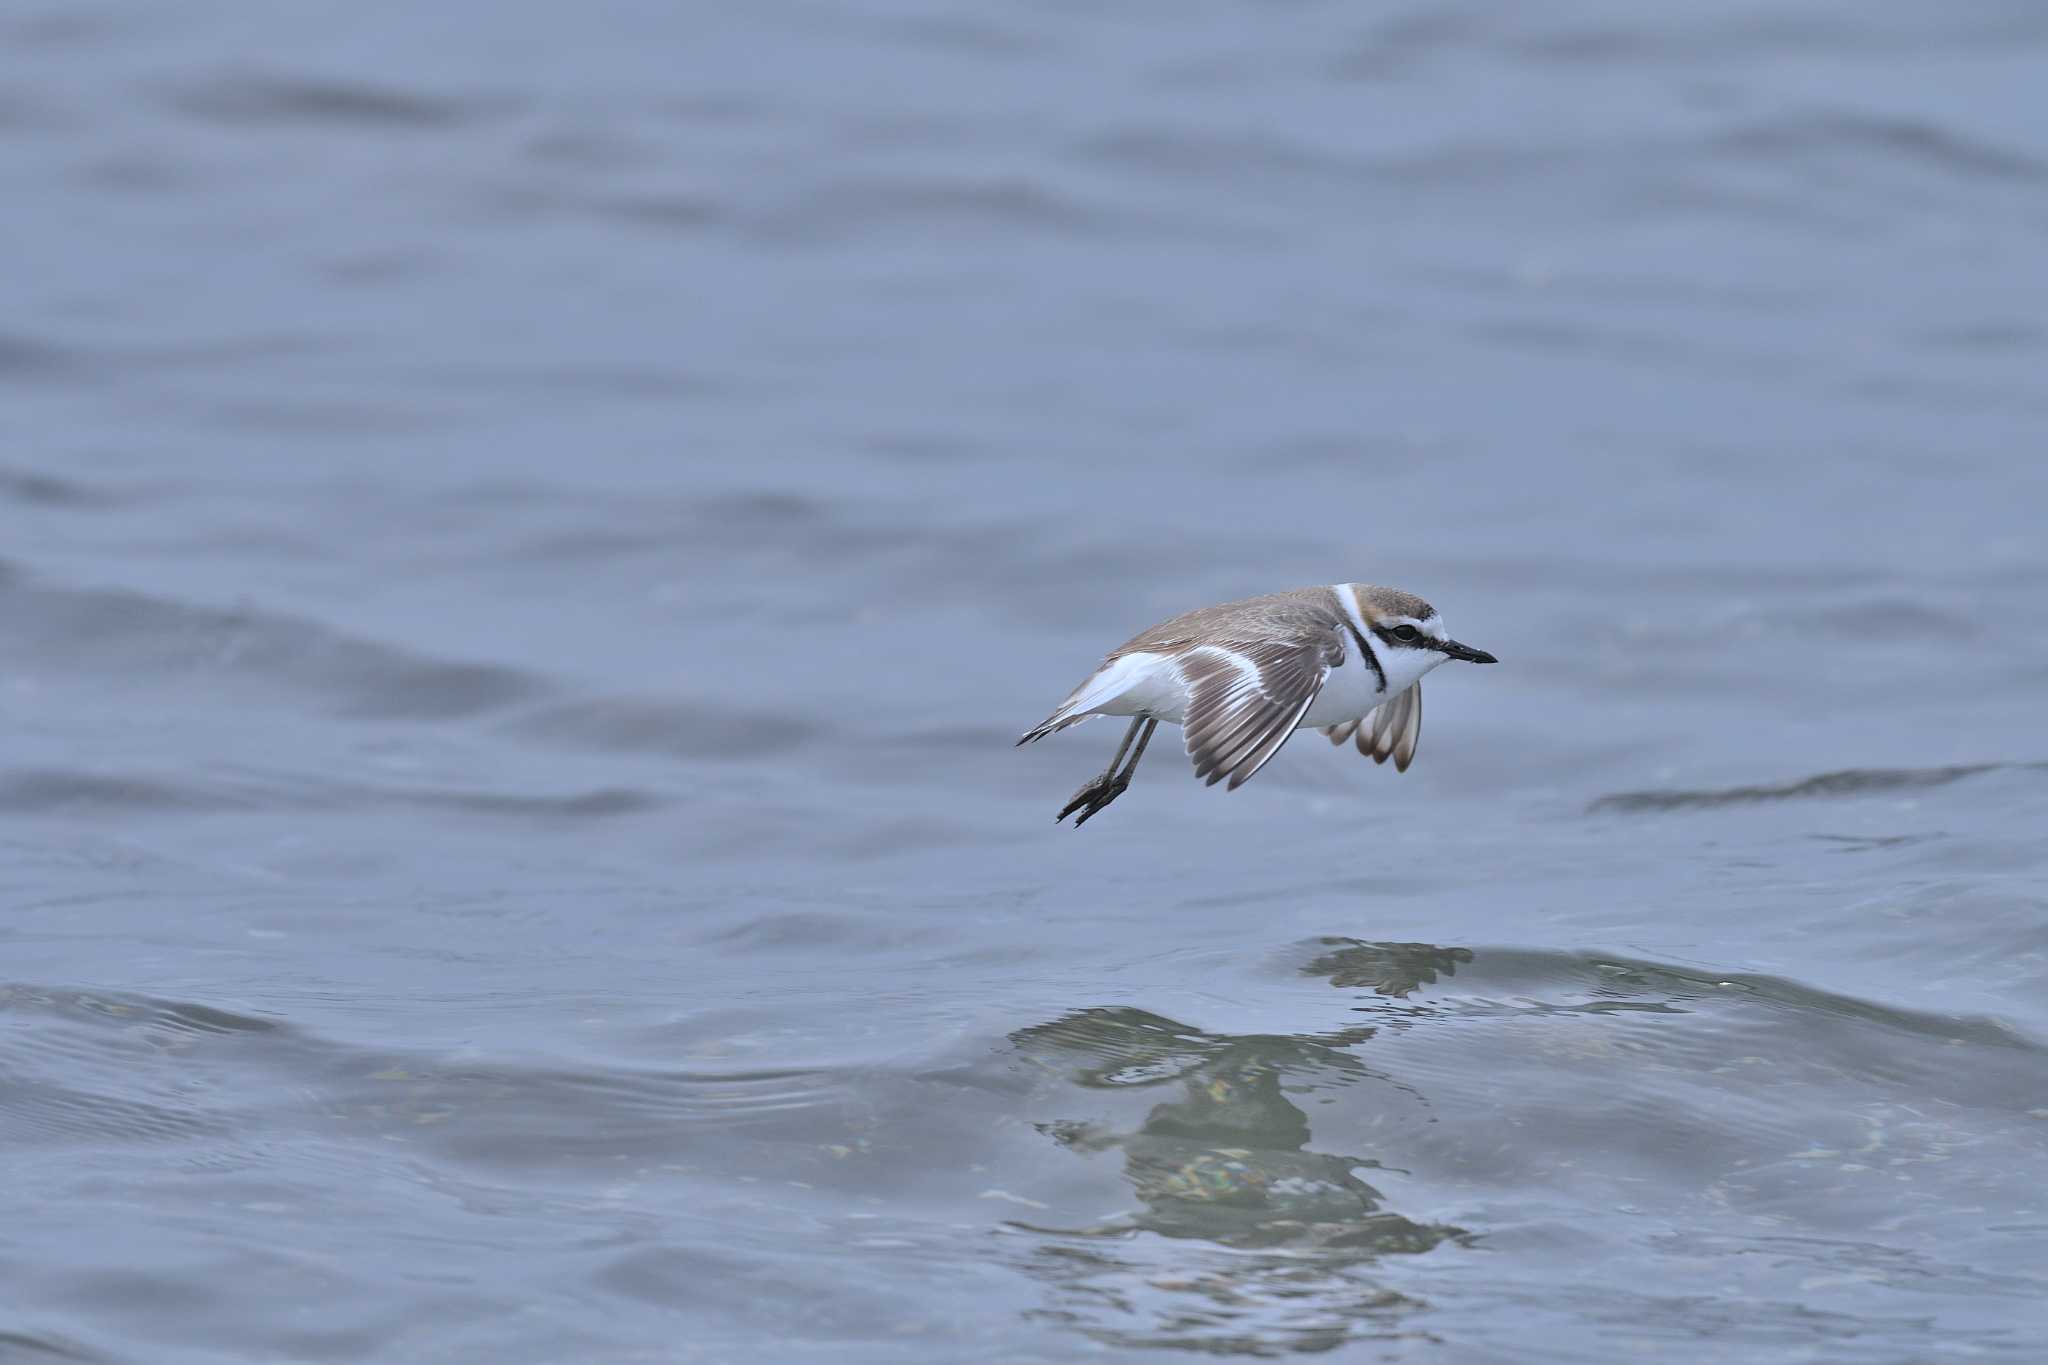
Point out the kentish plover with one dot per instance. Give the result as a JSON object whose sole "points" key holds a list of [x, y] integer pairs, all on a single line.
{"points": [[1241, 677]]}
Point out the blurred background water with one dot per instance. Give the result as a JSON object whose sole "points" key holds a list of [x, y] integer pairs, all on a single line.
{"points": [[529, 532]]}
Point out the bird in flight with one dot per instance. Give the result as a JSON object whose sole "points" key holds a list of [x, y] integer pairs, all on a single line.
{"points": [[1241, 677]]}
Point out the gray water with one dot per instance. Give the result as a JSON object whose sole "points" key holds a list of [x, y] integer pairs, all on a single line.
{"points": [[529, 531]]}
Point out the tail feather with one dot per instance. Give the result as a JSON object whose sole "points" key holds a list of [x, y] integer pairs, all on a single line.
{"points": [[1114, 678], [1052, 725]]}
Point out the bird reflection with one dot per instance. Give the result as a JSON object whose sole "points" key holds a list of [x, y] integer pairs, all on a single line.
{"points": [[1391, 969], [1227, 1159], [1272, 1244]]}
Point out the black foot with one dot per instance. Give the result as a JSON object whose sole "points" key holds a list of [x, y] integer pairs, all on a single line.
{"points": [[1092, 797]]}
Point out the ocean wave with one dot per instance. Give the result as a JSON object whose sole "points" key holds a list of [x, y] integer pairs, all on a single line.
{"points": [[1849, 782]]}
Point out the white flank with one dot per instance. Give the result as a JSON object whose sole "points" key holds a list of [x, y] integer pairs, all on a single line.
{"points": [[1124, 686]]}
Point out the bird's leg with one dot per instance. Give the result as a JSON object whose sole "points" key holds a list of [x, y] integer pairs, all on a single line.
{"points": [[1118, 757], [1139, 752], [1100, 790], [1109, 784]]}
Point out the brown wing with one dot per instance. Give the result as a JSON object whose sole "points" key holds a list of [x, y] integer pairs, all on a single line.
{"points": [[1244, 700], [1389, 730]]}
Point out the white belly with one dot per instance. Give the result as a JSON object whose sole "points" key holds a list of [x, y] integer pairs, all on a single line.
{"points": [[1142, 684], [1348, 693]]}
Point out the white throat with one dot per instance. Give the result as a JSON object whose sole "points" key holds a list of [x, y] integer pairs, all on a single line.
{"points": [[1404, 667]]}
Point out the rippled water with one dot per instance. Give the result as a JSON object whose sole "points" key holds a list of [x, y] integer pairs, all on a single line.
{"points": [[529, 532]]}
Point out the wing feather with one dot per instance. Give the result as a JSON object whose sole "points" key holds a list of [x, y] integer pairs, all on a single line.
{"points": [[1392, 729], [1244, 700], [1411, 729]]}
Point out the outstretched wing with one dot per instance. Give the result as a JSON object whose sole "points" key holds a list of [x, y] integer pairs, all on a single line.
{"points": [[1389, 730], [1244, 700]]}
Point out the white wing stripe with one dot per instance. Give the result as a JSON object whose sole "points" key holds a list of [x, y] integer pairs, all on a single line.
{"points": [[1243, 704]]}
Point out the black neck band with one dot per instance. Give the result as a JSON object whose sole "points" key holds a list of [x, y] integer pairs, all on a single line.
{"points": [[1370, 657]]}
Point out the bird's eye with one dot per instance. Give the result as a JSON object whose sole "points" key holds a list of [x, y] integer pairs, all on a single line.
{"points": [[1407, 635]]}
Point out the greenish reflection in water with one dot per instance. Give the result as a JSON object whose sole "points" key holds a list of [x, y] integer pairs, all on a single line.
{"points": [[1292, 1233]]}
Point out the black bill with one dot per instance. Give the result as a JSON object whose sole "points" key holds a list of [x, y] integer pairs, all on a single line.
{"points": [[1467, 653]]}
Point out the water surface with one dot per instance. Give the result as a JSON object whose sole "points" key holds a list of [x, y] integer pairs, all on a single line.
{"points": [[529, 534]]}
